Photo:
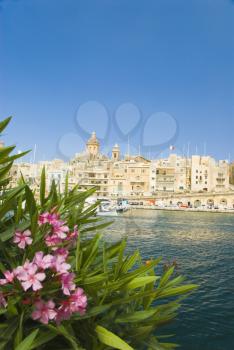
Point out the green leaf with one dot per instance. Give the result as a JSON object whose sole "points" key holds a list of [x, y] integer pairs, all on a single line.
{"points": [[96, 310], [4, 123], [170, 292], [42, 187], [26, 344], [136, 316], [19, 333], [61, 330], [5, 170], [30, 200], [66, 185], [8, 200], [43, 338], [108, 338], [141, 282], [14, 157], [5, 151], [166, 276], [9, 330], [130, 262]]}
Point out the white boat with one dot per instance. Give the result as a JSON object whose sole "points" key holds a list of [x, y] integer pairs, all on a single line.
{"points": [[122, 205], [106, 209]]}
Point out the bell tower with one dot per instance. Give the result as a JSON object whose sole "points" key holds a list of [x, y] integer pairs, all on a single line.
{"points": [[116, 153], [93, 146]]}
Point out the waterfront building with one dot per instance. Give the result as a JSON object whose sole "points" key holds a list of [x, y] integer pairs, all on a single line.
{"points": [[129, 176], [208, 175], [165, 179], [91, 168], [173, 174], [137, 171], [231, 173]]}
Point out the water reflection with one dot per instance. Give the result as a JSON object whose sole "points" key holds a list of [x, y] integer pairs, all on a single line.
{"points": [[203, 246]]}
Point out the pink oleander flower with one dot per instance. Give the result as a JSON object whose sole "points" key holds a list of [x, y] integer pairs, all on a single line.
{"points": [[53, 219], [32, 278], [63, 312], [9, 277], [52, 241], [43, 261], [44, 311], [23, 238], [3, 301], [60, 230], [43, 218], [61, 251], [59, 264], [48, 218], [21, 271], [78, 301], [67, 280]]}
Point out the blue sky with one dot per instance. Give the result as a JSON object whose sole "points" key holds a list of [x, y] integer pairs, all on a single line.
{"points": [[167, 63]]}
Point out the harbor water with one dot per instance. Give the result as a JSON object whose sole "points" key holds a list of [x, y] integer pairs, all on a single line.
{"points": [[202, 244]]}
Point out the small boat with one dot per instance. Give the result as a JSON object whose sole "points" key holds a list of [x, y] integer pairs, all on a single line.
{"points": [[106, 209], [122, 205]]}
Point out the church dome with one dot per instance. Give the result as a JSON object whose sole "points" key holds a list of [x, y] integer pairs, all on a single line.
{"points": [[93, 140]]}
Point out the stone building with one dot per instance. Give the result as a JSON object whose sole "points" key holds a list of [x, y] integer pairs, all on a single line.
{"points": [[207, 175], [231, 173], [172, 174], [129, 176], [91, 168]]}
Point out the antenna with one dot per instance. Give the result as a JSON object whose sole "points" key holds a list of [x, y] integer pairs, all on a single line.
{"points": [[183, 151], [188, 150], [204, 148], [34, 159], [34, 153], [128, 148]]}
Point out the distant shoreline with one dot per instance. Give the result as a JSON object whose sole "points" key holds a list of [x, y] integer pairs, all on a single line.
{"points": [[193, 210]]}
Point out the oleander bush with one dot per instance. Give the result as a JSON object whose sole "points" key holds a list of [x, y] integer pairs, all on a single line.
{"points": [[62, 286]]}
